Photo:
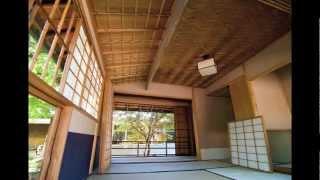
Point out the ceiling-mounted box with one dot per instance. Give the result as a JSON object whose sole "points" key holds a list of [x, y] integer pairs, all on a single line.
{"points": [[207, 67]]}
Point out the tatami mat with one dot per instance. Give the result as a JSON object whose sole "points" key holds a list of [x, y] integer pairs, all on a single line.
{"points": [[181, 175], [152, 159], [240, 173], [164, 166]]}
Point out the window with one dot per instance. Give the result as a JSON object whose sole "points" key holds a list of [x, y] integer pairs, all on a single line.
{"points": [[61, 54], [84, 80]]}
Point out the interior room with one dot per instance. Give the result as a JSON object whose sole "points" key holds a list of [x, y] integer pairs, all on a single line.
{"points": [[159, 89]]}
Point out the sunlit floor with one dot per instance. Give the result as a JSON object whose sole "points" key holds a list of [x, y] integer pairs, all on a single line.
{"points": [[180, 168]]}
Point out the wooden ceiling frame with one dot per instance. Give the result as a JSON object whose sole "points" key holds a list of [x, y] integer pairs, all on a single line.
{"points": [[133, 33], [176, 14], [282, 5], [221, 34]]}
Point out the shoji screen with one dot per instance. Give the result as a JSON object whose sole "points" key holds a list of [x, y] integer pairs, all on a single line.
{"points": [[249, 147]]}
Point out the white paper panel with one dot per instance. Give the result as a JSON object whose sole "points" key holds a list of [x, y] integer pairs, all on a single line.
{"points": [[249, 135], [251, 149], [241, 142], [261, 150], [262, 158], [232, 130], [234, 148], [239, 129], [253, 164], [231, 125], [257, 121], [260, 142], [248, 146], [233, 142], [239, 124], [248, 129], [258, 128], [264, 166], [242, 155], [252, 157], [250, 142], [240, 136], [242, 149], [235, 160], [243, 163], [259, 135], [234, 154], [247, 122], [233, 136]]}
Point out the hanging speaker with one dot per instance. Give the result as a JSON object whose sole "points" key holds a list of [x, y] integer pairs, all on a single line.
{"points": [[207, 66]]}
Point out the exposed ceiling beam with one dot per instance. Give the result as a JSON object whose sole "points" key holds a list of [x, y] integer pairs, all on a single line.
{"points": [[281, 5], [128, 65], [176, 13], [129, 42], [126, 76], [130, 52], [92, 33], [117, 30], [129, 14]]}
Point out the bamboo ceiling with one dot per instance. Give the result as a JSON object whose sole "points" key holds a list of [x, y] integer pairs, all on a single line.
{"points": [[129, 32], [232, 31]]}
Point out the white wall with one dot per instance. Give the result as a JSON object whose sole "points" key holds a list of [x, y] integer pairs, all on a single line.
{"points": [[211, 115], [155, 89], [271, 102], [81, 123]]}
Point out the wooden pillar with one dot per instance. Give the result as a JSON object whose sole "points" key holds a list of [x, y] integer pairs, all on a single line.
{"points": [[106, 128], [242, 99], [183, 129], [59, 143]]}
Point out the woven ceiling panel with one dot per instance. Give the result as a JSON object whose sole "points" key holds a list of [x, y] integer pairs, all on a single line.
{"points": [[230, 30]]}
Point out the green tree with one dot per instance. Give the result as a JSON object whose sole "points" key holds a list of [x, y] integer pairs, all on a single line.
{"points": [[39, 109]]}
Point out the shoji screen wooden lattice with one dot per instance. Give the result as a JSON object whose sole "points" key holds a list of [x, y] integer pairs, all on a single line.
{"points": [[249, 144]]}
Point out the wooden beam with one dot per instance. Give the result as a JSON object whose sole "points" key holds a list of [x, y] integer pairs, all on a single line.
{"points": [[129, 42], [280, 5], [128, 65], [146, 50], [125, 99], [59, 143], [49, 144], [177, 10], [83, 5], [126, 76], [119, 30], [129, 14]]}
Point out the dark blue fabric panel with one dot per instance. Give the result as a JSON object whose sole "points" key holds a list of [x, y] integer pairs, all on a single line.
{"points": [[76, 157]]}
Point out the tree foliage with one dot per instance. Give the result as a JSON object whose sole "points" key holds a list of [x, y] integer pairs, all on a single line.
{"points": [[39, 109], [144, 126]]}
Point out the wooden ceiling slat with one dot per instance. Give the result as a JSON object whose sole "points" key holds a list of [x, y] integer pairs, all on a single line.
{"points": [[119, 30], [129, 14], [222, 34]]}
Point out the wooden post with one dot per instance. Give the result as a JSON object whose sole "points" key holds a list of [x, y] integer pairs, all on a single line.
{"points": [[59, 143], [105, 127]]}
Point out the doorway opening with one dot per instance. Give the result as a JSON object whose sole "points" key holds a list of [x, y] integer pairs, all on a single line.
{"points": [[141, 130]]}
